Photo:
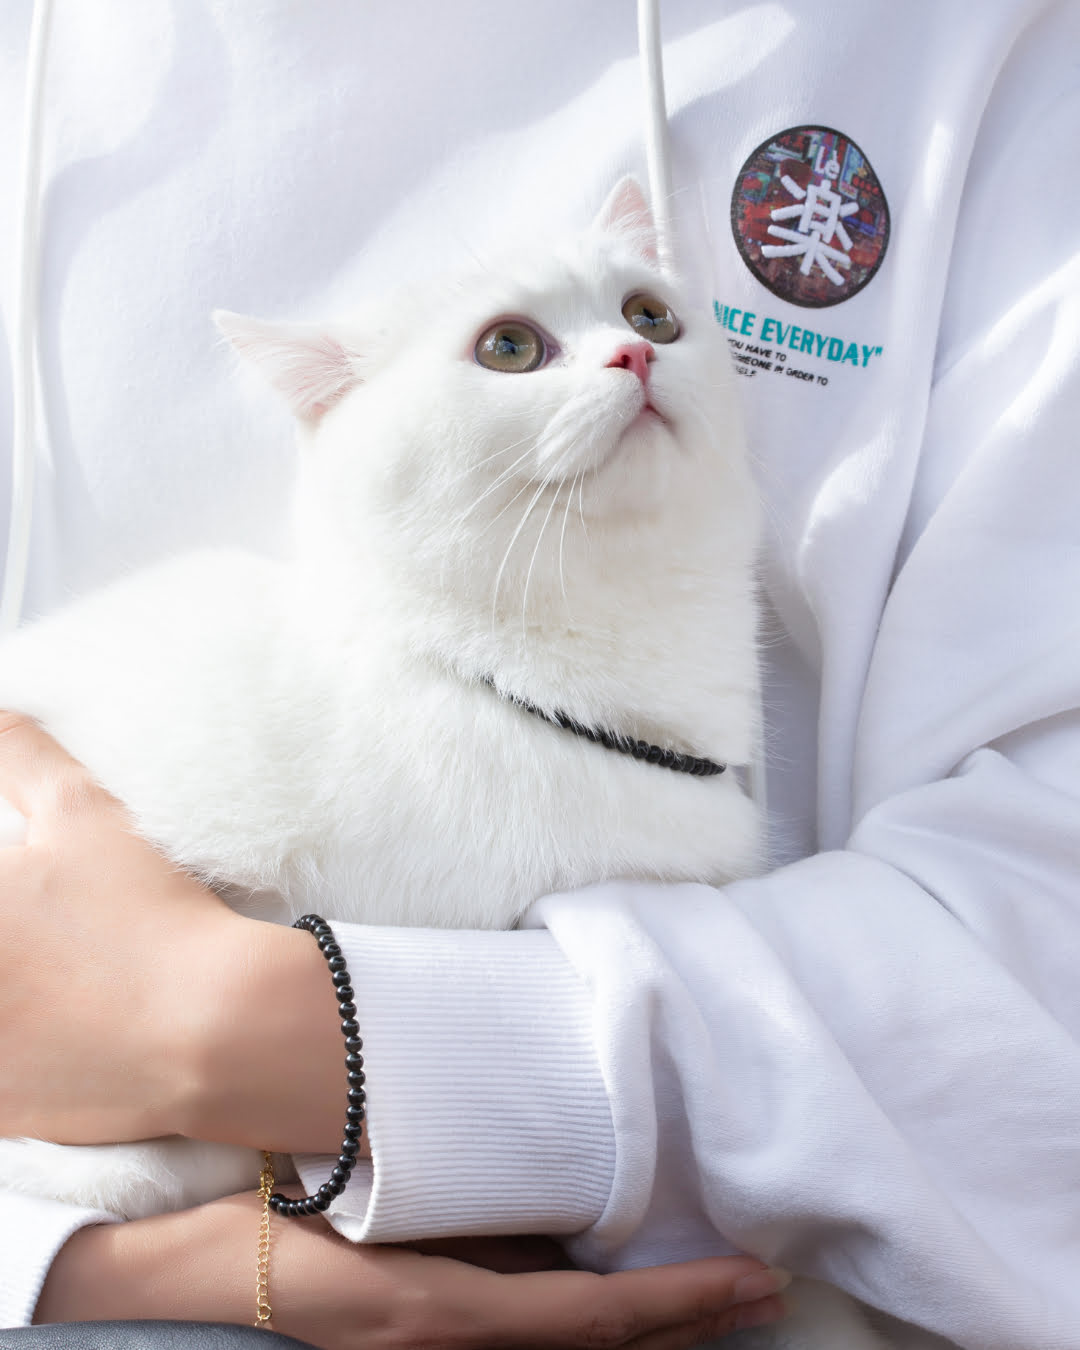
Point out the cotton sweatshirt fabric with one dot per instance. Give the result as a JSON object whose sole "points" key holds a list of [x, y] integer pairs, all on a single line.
{"points": [[863, 1065]]}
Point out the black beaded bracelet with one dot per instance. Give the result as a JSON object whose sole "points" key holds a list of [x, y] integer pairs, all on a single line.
{"points": [[354, 1066]]}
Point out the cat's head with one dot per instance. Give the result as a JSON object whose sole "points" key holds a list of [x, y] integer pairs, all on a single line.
{"points": [[570, 390]]}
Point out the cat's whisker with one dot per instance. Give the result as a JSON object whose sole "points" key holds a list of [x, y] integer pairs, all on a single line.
{"points": [[562, 540], [502, 450], [492, 487], [505, 507], [532, 560], [581, 505], [509, 548], [498, 483]]}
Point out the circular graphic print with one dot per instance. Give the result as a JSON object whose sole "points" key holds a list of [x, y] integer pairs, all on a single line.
{"points": [[809, 216]]}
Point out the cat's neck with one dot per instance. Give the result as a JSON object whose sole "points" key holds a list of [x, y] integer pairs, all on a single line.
{"points": [[643, 631]]}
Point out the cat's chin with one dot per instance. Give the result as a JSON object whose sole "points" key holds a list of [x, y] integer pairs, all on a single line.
{"points": [[634, 477]]}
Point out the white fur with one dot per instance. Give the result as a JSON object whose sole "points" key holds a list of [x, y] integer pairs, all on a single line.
{"points": [[317, 734]]}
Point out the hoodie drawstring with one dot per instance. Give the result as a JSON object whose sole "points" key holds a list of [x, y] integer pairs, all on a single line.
{"points": [[25, 324], [657, 156]]}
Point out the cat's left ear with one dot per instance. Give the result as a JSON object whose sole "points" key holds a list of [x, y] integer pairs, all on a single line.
{"points": [[627, 212], [311, 367]]}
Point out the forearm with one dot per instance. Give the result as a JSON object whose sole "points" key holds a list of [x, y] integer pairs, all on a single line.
{"points": [[194, 1266], [261, 1045], [799, 1059]]}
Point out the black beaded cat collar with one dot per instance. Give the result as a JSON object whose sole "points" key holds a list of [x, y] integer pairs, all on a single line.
{"points": [[697, 766]]}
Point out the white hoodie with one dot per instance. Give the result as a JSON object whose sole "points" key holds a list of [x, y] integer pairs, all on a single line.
{"points": [[863, 1065]]}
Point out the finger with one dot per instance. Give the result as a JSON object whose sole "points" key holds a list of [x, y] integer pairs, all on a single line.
{"points": [[578, 1309], [763, 1313], [37, 776]]}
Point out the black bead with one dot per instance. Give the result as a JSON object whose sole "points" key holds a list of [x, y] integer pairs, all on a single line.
{"points": [[354, 1060]]}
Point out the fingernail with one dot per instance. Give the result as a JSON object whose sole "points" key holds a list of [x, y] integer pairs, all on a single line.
{"points": [[761, 1284], [760, 1314]]}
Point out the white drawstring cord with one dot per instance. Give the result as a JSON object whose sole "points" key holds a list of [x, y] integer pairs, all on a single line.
{"points": [[658, 159], [24, 325], [656, 128]]}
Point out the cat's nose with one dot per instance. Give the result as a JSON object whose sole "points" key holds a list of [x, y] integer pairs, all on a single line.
{"points": [[633, 356]]}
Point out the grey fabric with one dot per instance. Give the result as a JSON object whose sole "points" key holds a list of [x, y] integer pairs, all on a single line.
{"points": [[145, 1336]]}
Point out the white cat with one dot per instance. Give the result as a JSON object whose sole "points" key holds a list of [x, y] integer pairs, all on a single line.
{"points": [[529, 488]]}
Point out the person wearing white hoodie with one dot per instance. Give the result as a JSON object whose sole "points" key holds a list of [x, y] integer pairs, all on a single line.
{"points": [[863, 1065]]}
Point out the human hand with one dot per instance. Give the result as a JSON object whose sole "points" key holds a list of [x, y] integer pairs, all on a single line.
{"points": [[133, 1002], [199, 1265]]}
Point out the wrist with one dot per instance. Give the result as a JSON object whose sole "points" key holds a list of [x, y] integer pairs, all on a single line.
{"points": [[262, 1059]]}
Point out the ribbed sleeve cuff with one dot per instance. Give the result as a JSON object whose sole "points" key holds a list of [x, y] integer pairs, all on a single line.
{"points": [[32, 1231], [487, 1112]]}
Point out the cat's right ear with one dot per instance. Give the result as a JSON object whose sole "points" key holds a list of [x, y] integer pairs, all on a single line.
{"points": [[627, 212], [310, 366]]}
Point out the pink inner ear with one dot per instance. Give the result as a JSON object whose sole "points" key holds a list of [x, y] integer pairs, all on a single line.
{"points": [[312, 368], [627, 212]]}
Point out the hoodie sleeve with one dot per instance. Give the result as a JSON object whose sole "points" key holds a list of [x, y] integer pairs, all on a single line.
{"points": [[32, 1233]]}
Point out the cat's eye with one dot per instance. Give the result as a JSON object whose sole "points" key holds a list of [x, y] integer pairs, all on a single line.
{"points": [[650, 318], [511, 345]]}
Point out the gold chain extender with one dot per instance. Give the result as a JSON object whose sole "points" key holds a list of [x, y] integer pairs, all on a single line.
{"points": [[263, 1311]]}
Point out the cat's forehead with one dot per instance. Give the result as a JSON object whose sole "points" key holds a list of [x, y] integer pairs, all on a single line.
{"points": [[579, 284]]}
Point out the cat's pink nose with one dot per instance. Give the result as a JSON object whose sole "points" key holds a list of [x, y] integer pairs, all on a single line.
{"points": [[633, 356]]}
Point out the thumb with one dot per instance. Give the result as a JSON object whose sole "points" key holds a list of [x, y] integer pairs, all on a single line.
{"points": [[37, 776]]}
